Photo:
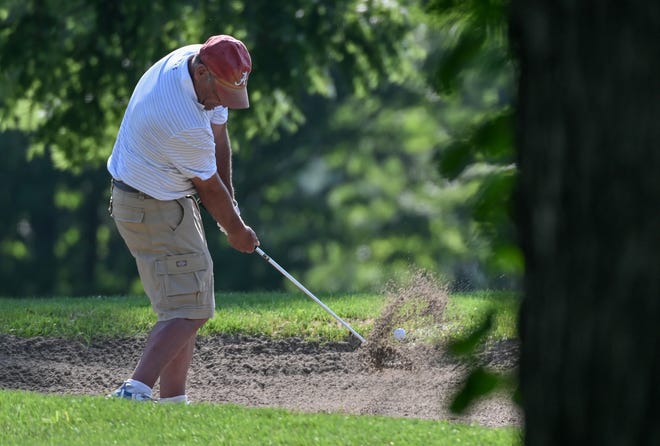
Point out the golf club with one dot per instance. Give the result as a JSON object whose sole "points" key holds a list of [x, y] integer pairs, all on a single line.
{"points": [[306, 291]]}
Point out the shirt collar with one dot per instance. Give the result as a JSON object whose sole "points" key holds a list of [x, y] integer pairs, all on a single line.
{"points": [[186, 81]]}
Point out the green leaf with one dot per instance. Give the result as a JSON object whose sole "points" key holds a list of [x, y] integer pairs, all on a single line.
{"points": [[492, 200], [478, 384], [508, 257], [457, 59], [494, 137], [454, 159], [469, 343]]}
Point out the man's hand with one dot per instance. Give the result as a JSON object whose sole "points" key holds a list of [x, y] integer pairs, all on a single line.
{"points": [[244, 240]]}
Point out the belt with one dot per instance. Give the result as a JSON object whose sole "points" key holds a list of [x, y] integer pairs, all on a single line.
{"points": [[126, 188]]}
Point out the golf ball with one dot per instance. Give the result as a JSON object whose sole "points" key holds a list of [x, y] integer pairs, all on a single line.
{"points": [[399, 334]]}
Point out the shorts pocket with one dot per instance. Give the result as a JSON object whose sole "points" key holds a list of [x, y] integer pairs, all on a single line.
{"points": [[182, 274], [172, 214]]}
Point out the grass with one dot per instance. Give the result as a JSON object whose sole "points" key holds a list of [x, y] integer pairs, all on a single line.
{"points": [[76, 318], [32, 419], [275, 315], [465, 312], [280, 315]]}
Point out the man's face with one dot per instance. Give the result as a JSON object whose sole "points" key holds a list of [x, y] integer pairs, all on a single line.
{"points": [[208, 94]]}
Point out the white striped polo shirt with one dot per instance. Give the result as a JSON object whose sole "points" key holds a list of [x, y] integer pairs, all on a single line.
{"points": [[165, 138]]}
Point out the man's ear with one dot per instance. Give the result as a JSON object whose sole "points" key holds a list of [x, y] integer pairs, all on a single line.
{"points": [[200, 70], [206, 72]]}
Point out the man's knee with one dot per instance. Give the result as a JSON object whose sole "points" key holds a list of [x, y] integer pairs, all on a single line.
{"points": [[198, 323]]}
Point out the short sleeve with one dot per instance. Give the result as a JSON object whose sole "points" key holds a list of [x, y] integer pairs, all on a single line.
{"points": [[220, 115]]}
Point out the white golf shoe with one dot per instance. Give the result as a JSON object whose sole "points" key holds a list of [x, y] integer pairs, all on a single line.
{"points": [[180, 399], [128, 391]]}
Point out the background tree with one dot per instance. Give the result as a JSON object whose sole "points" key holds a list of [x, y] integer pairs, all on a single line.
{"points": [[334, 161], [588, 138], [68, 69], [475, 68]]}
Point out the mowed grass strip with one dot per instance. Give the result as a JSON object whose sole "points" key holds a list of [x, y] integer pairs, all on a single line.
{"points": [[32, 419], [281, 315], [276, 315], [466, 311]]}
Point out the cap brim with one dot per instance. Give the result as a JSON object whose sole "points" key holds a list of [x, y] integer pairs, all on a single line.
{"points": [[234, 98]]}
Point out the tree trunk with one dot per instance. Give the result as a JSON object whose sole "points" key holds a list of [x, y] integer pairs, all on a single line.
{"points": [[588, 211]]}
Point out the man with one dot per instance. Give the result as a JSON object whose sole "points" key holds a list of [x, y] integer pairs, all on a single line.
{"points": [[173, 143]]}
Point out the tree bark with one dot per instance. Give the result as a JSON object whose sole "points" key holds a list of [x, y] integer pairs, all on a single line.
{"points": [[588, 213]]}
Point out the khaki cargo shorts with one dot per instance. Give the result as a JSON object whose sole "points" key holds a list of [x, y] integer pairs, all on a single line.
{"points": [[168, 242]]}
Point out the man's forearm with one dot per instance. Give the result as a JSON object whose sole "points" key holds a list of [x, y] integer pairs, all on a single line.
{"points": [[219, 203], [217, 200]]}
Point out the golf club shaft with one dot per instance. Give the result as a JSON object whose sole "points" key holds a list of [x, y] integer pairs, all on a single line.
{"points": [[306, 291]]}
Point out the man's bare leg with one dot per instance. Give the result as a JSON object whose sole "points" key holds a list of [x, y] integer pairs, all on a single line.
{"points": [[174, 374], [164, 344]]}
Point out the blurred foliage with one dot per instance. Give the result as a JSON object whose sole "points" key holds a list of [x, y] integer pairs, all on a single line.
{"points": [[378, 139], [69, 67], [477, 54], [476, 68]]}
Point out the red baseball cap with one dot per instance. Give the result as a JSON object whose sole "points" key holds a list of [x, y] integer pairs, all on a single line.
{"points": [[229, 61]]}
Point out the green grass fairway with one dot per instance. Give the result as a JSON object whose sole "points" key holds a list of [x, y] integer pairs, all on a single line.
{"points": [[33, 419]]}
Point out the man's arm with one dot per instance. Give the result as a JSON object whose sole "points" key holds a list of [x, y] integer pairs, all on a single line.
{"points": [[223, 156], [219, 203]]}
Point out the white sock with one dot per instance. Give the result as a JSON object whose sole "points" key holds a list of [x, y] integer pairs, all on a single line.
{"points": [[175, 399], [139, 386]]}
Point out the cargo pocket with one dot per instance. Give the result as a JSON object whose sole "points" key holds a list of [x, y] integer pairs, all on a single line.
{"points": [[182, 278]]}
